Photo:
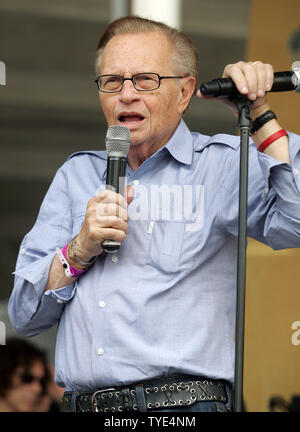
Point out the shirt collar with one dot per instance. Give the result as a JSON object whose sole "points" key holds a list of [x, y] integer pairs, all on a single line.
{"points": [[180, 145], [183, 143], [203, 141]]}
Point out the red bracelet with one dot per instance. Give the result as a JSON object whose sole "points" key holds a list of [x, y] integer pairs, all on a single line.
{"points": [[271, 139]]}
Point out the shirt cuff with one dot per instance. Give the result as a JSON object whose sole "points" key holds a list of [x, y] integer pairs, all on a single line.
{"points": [[37, 274], [63, 294]]}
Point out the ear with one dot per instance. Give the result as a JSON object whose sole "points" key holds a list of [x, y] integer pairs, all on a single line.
{"points": [[187, 90]]}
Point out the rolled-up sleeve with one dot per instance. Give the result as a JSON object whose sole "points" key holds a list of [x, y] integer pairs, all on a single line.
{"points": [[281, 196], [273, 197], [31, 309]]}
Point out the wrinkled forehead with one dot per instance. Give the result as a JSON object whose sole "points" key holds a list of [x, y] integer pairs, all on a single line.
{"points": [[138, 52]]}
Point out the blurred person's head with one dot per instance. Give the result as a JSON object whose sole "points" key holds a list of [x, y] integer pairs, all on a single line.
{"points": [[51, 400], [23, 375]]}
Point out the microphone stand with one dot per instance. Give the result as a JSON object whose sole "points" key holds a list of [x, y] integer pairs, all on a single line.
{"points": [[243, 105]]}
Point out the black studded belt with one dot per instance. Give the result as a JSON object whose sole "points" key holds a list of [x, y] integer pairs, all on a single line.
{"points": [[163, 393]]}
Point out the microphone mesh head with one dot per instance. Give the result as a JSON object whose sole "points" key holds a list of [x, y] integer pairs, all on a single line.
{"points": [[296, 76], [117, 140]]}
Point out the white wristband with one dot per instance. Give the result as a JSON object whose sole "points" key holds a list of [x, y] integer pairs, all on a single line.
{"points": [[64, 262]]}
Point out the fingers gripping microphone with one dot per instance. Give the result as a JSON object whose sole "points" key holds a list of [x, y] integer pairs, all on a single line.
{"points": [[283, 81], [117, 145]]}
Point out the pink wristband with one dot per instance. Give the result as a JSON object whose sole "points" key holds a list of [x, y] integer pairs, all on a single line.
{"points": [[74, 271]]}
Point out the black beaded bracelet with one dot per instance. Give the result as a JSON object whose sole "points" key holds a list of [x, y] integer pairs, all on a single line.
{"points": [[262, 120]]}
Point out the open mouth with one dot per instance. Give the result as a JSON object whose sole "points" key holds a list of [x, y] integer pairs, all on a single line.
{"points": [[127, 119]]}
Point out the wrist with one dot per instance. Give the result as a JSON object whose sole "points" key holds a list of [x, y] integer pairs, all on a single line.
{"points": [[262, 121], [80, 260], [71, 260], [260, 110], [81, 252], [70, 270], [274, 137]]}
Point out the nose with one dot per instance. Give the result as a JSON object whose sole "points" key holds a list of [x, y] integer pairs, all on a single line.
{"points": [[128, 93]]}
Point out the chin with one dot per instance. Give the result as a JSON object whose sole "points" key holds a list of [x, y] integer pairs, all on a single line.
{"points": [[135, 143], [27, 407], [136, 139]]}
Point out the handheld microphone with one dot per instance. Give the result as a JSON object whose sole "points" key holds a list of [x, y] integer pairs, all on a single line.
{"points": [[283, 81], [117, 145]]}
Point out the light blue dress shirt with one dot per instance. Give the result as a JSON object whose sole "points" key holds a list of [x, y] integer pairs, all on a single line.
{"points": [[165, 303]]}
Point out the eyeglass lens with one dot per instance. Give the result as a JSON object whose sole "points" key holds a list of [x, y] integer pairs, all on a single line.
{"points": [[142, 81], [28, 378]]}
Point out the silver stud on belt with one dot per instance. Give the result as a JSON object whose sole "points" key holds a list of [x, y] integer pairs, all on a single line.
{"points": [[94, 402]]}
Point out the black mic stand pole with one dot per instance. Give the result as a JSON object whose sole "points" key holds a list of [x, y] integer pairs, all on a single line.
{"points": [[243, 105]]}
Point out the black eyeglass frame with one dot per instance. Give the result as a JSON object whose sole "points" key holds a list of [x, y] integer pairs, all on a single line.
{"points": [[132, 80], [29, 378]]}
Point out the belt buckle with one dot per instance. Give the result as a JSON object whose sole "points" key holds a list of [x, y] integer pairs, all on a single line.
{"points": [[94, 403]]}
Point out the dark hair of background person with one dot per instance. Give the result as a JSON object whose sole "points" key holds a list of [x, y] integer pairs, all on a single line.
{"points": [[15, 353]]}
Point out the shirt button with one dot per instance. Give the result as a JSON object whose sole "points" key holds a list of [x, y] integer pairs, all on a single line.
{"points": [[100, 351], [266, 191], [135, 182], [114, 258], [295, 171], [59, 301], [23, 251], [101, 304]]}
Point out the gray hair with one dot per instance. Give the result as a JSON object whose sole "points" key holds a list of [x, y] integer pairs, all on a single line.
{"points": [[185, 57]]}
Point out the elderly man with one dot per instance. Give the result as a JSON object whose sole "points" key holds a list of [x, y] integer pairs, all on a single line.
{"points": [[151, 327]]}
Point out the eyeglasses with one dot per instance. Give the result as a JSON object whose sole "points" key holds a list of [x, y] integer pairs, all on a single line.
{"points": [[145, 81], [28, 378]]}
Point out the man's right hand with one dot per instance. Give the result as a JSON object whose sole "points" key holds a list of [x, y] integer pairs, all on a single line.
{"points": [[106, 218]]}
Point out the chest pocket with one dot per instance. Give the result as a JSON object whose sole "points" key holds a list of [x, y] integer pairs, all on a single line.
{"points": [[165, 245]]}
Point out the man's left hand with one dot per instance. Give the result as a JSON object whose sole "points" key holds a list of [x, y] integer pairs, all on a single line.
{"points": [[253, 79]]}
